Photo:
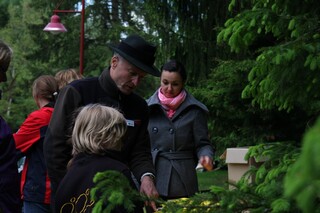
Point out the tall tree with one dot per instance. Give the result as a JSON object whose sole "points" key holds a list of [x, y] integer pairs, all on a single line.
{"points": [[286, 74], [17, 99], [186, 30]]}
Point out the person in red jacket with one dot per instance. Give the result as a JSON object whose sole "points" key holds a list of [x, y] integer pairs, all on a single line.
{"points": [[35, 183]]}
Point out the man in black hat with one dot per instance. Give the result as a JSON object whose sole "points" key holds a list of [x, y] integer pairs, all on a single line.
{"points": [[132, 60], [9, 179]]}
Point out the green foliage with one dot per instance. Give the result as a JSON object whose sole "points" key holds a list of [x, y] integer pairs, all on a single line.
{"points": [[234, 121], [17, 101], [112, 189], [179, 29], [218, 177], [228, 112], [282, 37], [186, 30], [285, 36], [200, 203], [37, 52], [259, 190], [264, 193], [267, 90], [302, 180]]}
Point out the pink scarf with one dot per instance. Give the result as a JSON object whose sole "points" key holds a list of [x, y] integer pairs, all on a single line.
{"points": [[171, 104]]}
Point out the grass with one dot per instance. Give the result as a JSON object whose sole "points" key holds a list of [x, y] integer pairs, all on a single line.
{"points": [[209, 178]]}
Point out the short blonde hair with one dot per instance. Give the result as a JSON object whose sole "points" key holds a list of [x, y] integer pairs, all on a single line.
{"points": [[66, 76], [98, 128]]}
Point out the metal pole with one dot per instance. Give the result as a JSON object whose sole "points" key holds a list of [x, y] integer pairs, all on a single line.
{"points": [[82, 12], [82, 37]]}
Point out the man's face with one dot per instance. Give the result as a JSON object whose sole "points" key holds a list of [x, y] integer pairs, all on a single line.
{"points": [[125, 75]]}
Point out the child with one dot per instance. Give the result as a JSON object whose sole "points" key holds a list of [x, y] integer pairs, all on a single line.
{"points": [[96, 138], [64, 77], [35, 184]]}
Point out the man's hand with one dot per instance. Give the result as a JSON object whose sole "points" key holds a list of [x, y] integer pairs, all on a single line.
{"points": [[148, 188]]}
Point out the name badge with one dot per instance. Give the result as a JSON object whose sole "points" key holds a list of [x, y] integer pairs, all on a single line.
{"points": [[130, 123]]}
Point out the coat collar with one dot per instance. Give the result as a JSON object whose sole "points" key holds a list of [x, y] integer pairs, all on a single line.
{"points": [[108, 85], [108, 153], [189, 101]]}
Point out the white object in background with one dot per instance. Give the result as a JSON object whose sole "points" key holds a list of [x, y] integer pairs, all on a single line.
{"points": [[199, 168]]}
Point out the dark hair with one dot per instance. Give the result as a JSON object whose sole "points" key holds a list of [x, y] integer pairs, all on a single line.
{"points": [[5, 56], [45, 86], [175, 66]]}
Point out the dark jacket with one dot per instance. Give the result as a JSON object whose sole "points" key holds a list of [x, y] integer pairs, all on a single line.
{"points": [[9, 178], [35, 184], [73, 194], [177, 144], [136, 151]]}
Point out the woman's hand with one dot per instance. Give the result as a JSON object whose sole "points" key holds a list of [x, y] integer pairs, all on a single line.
{"points": [[206, 162]]}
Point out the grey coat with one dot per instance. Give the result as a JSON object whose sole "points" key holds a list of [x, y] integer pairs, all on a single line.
{"points": [[177, 144]]}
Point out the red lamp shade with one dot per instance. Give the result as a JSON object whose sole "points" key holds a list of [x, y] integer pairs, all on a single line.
{"points": [[55, 25]]}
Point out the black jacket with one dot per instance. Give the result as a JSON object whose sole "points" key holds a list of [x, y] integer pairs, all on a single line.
{"points": [[9, 177], [136, 150], [73, 194]]}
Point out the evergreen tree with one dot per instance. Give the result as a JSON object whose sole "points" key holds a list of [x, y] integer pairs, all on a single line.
{"points": [[285, 75]]}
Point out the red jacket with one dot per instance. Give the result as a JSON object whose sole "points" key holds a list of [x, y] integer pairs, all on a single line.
{"points": [[35, 184]]}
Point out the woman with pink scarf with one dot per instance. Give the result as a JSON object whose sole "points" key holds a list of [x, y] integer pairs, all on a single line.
{"points": [[179, 134]]}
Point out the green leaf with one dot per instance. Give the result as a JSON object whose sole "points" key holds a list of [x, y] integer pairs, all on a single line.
{"points": [[259, 30], [274, 7], [294, 34], [291, 24], [277, 59], [308, 60], [252, 23], [280, 205], [314, 63], [231, 5], [114, 187]]}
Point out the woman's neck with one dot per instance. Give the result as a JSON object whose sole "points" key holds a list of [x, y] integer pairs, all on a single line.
{"points": [[41, 102]]}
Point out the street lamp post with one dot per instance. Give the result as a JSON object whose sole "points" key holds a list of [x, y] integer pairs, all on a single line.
{"points": [[55, 26]]}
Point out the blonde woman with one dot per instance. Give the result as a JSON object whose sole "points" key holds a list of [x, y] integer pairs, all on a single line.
{"points": [[96, 140]]}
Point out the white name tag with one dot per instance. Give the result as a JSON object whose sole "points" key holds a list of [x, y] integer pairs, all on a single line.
{"points": [[130, 123]]}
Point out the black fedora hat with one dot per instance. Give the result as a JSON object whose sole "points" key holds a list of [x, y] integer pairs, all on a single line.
{"points": [[138, 52]]}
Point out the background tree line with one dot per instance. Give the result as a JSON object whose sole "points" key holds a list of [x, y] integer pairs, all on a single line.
{"points": [[255, 64], [172, 25], [256, 70], [226, 76]]}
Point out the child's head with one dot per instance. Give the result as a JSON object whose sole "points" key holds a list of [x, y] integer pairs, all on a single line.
{"points": [[98, 128], [45, 87], [64, 77]]}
